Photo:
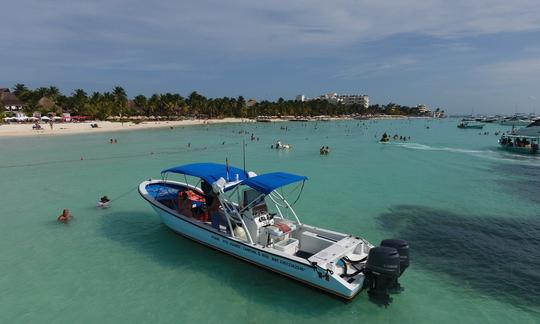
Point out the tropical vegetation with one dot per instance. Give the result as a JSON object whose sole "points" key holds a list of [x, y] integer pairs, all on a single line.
{"points": [[102, 105]]}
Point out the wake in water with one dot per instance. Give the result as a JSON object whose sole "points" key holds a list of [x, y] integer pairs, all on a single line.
{"points": [[485, 154]]}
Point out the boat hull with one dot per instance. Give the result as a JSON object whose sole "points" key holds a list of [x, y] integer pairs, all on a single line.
{"points": [[521, 150], [301, 271], [515, 123], [471, 127]]}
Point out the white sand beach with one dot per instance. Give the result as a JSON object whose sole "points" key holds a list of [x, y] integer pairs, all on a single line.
{"points": [[25, 129]]}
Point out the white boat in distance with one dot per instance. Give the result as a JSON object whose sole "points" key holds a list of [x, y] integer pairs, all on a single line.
{"points": [[242, 214], [515, 121]]}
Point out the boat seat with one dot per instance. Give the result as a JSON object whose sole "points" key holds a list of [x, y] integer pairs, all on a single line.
{"points": [[335, 251]]}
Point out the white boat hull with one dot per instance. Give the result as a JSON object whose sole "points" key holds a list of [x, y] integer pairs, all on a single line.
{"points": [[515, 123], [275, 261]]}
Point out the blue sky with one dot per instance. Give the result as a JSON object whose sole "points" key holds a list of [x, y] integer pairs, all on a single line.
{"points": [[464, 56]]}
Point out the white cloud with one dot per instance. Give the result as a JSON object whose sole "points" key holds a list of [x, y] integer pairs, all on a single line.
{"points": [[258, 26]]}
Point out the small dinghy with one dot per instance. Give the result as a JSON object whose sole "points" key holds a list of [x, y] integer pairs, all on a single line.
{"points": [[245, 215]]}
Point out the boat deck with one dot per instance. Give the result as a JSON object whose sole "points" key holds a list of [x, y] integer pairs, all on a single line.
{"points": [[335, 251]]}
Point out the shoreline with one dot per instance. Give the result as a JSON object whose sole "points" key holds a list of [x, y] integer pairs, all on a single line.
{"points": [[61, 129]]}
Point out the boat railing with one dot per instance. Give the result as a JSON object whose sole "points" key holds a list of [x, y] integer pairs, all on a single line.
{"points": [[287, 205], [232, 213]]}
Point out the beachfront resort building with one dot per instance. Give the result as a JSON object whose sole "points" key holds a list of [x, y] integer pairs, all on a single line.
{"points": [[423, 109], [9, 100], [354, 99], [345, 99]]}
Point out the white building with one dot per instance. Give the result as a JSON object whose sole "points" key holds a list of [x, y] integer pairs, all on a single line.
{"points": [[355, 99], [423, 109], [330, 97], [301, 98], [346, 99]]}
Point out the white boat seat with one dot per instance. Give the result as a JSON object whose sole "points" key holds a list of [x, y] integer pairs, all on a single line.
{"points": [[335, 251]]}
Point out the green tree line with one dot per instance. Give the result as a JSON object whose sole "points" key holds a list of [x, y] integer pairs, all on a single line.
{"points": [[172, 105]]}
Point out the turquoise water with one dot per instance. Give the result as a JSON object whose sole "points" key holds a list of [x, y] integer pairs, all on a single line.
{"points": [[469, 211]]}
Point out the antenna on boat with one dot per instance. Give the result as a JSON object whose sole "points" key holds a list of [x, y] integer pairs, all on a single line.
{"points": [[244, 155], [227, 168]]}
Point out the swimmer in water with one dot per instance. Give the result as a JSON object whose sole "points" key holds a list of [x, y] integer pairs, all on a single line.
{"points": [[65, 217]]}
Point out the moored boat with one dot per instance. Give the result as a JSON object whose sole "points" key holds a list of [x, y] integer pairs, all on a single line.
{"points": [[466, 124], [243, 214], [516, 121]]}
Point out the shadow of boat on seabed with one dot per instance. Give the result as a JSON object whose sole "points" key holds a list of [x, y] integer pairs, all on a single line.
{"points": [[499, 257]]}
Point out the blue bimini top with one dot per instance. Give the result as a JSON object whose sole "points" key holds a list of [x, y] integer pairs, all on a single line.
{"points": [[209, 172], [268, 182]]}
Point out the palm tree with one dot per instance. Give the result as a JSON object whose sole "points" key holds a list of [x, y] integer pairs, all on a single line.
{"points": [[120, 99], [78, 101], [53, 92], [19, 88]]}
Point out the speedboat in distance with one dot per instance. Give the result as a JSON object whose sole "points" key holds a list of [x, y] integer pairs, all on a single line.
{"points": [[243, 214], [516, 121], [467, 124]]}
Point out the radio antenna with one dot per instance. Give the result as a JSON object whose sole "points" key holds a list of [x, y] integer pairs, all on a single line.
{"points": [[244, 155]]}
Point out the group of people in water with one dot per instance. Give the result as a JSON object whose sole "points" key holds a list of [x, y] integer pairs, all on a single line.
{"points": [[113, 141], [65, 217], [280, 146], [324, 150], [385, 138]]}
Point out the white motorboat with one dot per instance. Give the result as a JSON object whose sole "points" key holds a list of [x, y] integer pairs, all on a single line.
{"points": [[255, 223], [516, 121]]}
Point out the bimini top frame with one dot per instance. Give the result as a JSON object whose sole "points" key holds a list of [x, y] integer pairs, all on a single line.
{"points": [[218, 176]]}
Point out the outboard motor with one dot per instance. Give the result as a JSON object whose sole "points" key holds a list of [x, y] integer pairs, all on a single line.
{"points": [[403, 249], [382, 270]]}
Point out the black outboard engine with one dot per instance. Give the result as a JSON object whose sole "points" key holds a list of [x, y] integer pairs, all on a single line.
{"points": [[382, 270], [403, 249]]}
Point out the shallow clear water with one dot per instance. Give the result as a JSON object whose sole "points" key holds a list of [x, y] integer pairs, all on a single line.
{"points": [[469, 211]]}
